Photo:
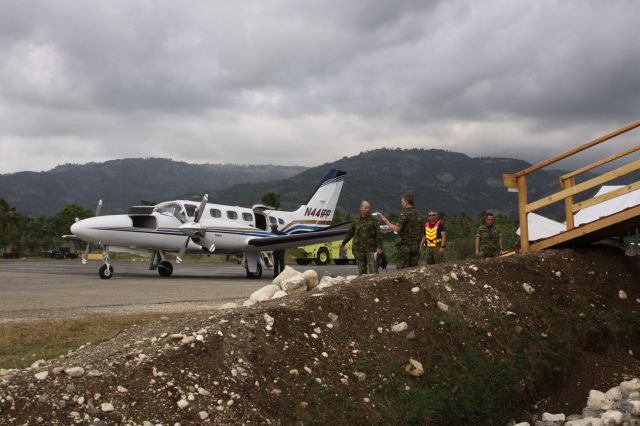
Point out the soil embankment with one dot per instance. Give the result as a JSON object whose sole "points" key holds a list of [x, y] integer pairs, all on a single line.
{"points": [[498, 339]]}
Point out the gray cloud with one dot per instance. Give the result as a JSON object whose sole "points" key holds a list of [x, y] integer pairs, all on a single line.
{"points": [[304, 83]]}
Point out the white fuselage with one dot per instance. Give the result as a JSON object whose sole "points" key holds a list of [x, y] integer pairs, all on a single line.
{"points": [[228, 227]]}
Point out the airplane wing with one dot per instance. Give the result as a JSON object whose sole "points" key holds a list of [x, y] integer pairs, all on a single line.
{"points": [[281, 242]]}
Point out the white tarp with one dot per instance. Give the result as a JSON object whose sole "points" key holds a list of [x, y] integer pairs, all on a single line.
{"points": [[540, 227], [609, 207]]}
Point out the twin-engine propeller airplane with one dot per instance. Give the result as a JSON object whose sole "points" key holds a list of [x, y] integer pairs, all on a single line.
{"points": [[172, 229]]}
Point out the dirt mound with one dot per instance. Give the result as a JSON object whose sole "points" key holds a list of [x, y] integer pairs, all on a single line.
{"points": [[492, 348]]}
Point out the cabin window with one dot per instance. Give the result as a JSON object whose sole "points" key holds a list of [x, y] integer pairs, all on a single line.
{"points": [[247, 217], [191, 209], [280, 221], [272, 220], [215, 213], [232, 215]]}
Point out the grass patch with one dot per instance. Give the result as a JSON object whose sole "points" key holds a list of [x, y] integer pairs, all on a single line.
{"points": [[23, 343]]}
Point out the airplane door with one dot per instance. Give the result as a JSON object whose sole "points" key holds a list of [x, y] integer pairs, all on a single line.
{"points": [[261, 221]]}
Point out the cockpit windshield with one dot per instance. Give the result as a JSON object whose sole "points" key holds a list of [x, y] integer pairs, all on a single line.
{"points": [[175, 208]]}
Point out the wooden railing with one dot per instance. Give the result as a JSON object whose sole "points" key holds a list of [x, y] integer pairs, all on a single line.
{"points": [[518, 182]]}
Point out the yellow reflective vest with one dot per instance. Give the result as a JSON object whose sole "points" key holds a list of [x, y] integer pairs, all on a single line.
{"points": [[433, 237]]}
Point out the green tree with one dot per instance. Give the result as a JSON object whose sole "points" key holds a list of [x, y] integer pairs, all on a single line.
{"points": [[38, 234], [11, 224], [10, 219], [271, 199], [62, 221]]}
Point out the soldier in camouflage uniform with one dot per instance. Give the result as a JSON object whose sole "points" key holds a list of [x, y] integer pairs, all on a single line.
{"points": [[488, 239], [366, 240], [409, 229]]}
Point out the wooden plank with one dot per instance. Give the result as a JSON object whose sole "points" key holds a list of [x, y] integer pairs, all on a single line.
{"points": [[568, 202], [509, 180], [601, 162], [585, 229], [578, 149], [591, 183], [522, 208], [605, 197]]}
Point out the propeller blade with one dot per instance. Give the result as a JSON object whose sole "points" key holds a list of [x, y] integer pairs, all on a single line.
{"points": [[85, 256], [98, 208], [183, 251], [202, 206]]}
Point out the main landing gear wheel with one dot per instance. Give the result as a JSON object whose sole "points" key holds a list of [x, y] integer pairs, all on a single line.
{"points": [[322, 257], [105, 272], [165, 269], [256, 274]]}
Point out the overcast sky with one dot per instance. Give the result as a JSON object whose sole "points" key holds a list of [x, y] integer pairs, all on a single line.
{"points": [[305, 82]]}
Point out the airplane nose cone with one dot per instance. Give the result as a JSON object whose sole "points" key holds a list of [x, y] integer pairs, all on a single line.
{"points": [[78, 228]]}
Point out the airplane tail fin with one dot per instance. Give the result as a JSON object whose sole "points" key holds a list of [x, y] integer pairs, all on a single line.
{"points": [[319, 209]]}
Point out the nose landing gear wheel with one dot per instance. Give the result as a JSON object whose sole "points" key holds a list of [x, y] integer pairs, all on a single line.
{"points": [[105, 273], [165, 269]]}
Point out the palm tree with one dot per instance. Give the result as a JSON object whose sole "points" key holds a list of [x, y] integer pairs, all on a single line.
{"points": [[10, 219]]}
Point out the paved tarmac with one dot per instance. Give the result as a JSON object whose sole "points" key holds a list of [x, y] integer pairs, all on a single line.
{"points": [[58, 289]]}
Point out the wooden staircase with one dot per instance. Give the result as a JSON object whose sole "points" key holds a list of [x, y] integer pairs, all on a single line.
{"points": [[614, 225]]}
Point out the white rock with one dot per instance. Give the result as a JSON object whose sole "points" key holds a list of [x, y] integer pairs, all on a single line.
{"points": [[203, 415], [37, 364], [286, 273], [310, 278], [183, 403], [454, 275], [122, 389], [177, 336], [598, 401], [106, 407], [446, 278], [443, 307], [294, 372], [203, 392], [622, 295], [587, 421], [399, 327], [187, 340], [332, 316], [263, 294], [634, 395], [360, 375], [415, 290], [474, 268], [74, 371], [523, 424], [414, 368], [294, 284], [248, 303], [269, 320], [94, 373], [279, 294], [350, 278], [612, 418], [614, 394], [634, 408], [41, 375], [230, 305], [631, 385], [558, 274], [527, 288], [548, 417]]}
